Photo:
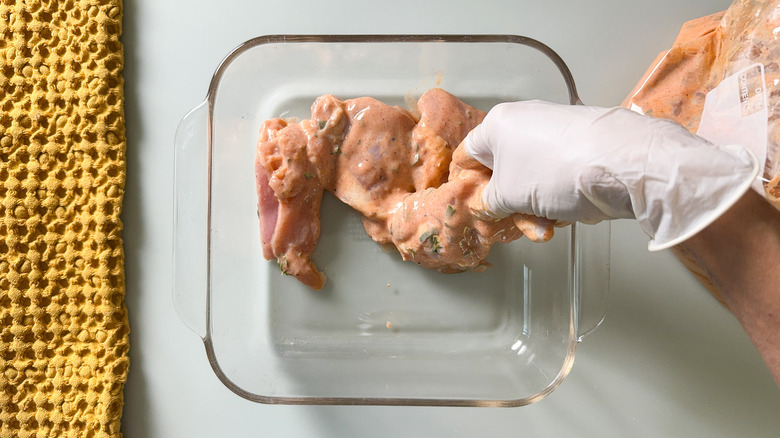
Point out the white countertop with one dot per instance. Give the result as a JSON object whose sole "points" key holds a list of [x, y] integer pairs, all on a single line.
{"points": [[667, 362]]}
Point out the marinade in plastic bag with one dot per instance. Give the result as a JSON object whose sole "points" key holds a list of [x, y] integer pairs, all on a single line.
{"points": [[721, 80]]}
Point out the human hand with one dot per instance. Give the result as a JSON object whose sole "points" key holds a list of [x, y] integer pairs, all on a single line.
{"points": [[588, 164]]}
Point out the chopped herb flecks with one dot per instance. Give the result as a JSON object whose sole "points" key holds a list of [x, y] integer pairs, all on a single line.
{"points": [[431, 236], [428, 234], [435, 247]]}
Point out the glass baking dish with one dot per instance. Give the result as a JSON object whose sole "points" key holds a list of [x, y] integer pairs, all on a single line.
{"points": [[382, 331]]}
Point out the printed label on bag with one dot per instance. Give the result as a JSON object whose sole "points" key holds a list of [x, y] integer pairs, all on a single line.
{"points": [[735, 113], [751, 89]]}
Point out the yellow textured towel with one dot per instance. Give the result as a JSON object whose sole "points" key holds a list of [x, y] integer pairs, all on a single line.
{"points": [[63, 324]]}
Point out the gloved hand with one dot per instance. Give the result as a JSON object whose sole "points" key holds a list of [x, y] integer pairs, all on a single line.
{"points": [[588, 164]]}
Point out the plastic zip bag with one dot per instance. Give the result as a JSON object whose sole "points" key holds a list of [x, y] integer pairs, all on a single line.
{"points": [[721, 80]]}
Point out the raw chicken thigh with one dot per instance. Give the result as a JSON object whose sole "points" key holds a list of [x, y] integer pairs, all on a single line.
{"points": [[401, 171]]}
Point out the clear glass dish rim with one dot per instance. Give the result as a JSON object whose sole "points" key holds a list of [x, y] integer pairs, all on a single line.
{"points": [[384, 39]]}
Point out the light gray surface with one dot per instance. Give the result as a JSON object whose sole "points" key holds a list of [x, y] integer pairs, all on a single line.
{"points": [[668, 361]]}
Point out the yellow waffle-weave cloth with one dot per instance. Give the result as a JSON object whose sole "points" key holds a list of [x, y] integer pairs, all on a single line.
{"points": [[63, 323]]}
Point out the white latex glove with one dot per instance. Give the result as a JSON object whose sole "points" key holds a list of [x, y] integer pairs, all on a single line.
{"points": [[588, 164]]}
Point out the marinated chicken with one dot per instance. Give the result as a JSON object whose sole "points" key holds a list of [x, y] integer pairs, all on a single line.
{"points": [[401, 171]]}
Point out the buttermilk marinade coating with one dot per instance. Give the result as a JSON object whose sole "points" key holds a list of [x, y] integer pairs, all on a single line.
{"points": [[402, 171]]}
